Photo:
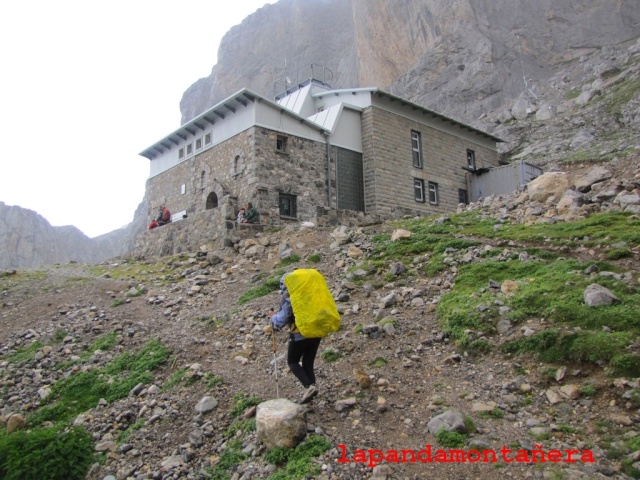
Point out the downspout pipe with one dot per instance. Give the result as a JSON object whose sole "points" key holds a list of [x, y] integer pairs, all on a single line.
{"points": [[328, 141]]}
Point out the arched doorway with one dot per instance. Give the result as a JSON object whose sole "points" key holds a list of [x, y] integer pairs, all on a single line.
{"points": [[212, 201]]}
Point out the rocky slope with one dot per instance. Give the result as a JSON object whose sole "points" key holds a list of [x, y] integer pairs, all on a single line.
{"points": [[190, 304]]}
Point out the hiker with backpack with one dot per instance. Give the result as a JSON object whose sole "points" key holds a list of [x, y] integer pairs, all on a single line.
{"points": [[308, 308], [164, 216]]}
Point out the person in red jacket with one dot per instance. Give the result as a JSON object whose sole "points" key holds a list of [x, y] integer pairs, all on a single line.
{"points": [[164, 216]]}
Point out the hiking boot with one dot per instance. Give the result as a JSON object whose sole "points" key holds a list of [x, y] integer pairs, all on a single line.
{"points": [[309, 393]]}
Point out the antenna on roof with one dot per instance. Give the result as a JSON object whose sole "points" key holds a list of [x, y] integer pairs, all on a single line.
{"points": [[527, 90]]}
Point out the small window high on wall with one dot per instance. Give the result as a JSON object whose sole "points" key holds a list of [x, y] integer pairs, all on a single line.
{"points": [[282, 144]]}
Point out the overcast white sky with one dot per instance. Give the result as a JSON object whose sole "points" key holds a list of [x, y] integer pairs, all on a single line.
{"points": [[87, 85]]}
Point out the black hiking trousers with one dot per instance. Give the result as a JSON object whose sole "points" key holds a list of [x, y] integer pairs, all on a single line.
{"points": [[306, 350]]}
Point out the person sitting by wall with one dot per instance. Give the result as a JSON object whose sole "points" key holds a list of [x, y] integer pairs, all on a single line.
{"points": [[251, 215], [164, 216], [241, 213]]}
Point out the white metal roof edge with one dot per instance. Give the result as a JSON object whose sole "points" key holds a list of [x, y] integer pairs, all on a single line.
{"points": [[243, 92]]}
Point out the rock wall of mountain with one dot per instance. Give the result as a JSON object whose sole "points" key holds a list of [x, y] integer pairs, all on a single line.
{"points": [[27, 239], [463, 58]]}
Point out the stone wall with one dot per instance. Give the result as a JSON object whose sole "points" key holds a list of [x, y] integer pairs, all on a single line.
{"points": [[211, 187], [300, 170], [214, 179], [389, 170], [200, 231]]}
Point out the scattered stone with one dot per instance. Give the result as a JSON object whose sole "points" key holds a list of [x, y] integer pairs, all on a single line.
{"points": [[206, 404], [553, 397], [342, 405]]}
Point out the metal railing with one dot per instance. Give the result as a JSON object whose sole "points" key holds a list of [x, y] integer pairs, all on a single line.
{"points": [[291, 81]]}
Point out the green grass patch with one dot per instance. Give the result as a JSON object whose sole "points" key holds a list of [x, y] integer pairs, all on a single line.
{"points": [[551, 290], [241, 402], [271, 284], [451, 439], [160, 271], [134, 293], [495, 413], [618, 253], [211, 380], [378, 362], [81, 391], [104, 344], [314, 258], [293, 258], [230, 458], [297, 462], [609, 228], [24, 354], [387, 321], [117, 302], [588, 390], [56, 453], [175, 378], [425, 238], [581, 347], [621, 94], [244, 426], [479, 346], [331, 355]]}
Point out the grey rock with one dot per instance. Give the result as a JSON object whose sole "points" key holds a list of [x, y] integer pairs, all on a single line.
{"points": [[451, 420], [206, 404], [596, 295]]}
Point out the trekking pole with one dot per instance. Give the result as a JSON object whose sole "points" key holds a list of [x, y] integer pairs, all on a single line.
{"points": [[275, 359]]}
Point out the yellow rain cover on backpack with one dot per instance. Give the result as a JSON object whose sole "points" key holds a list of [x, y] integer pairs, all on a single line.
{"points": [[313, 305]]}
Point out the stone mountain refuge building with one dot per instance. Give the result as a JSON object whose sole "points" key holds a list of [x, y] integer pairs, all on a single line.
{"points": [[312, 154]]}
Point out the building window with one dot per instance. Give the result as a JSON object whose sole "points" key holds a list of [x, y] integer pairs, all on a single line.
{"points": [[181, 154], [287, 204], [207, 139], [416, 147], [433, 193], [471, 159], [463, 196], [199, 143], [418, 189], [189, 149], [281, 144]]}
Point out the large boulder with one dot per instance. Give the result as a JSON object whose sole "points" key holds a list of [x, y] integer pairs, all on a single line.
{"points": [[281, 423], [550, 184]]}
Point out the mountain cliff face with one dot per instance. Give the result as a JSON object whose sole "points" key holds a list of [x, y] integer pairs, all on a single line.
{"points": [[463, 58], [27, 239]]}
